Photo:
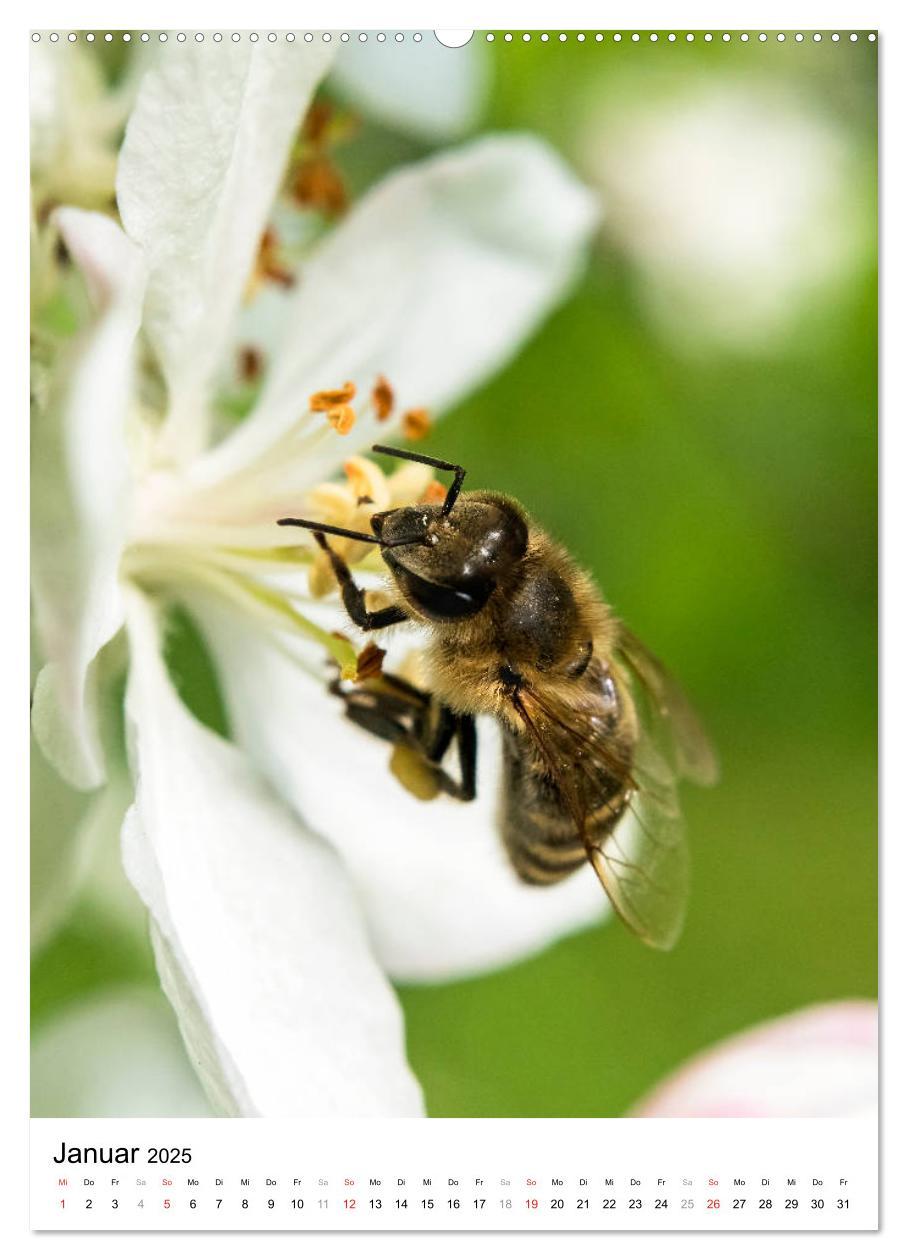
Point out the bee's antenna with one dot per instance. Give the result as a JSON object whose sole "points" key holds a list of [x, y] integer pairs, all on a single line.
{"points": [[319, 528], [459, 473]]}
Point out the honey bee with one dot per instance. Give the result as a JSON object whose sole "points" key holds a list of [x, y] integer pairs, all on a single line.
{"points": [[594, 728]]}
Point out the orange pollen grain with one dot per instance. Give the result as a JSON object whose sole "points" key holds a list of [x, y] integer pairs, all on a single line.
{"points": [[326, 399], [382, 398], [342, 418], [416, 423]]}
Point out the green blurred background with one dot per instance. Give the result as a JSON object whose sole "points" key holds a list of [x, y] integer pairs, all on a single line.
{"points": [[723, 492]]}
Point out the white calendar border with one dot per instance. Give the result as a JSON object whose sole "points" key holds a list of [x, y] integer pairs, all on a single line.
{"points": [[13, 636]]}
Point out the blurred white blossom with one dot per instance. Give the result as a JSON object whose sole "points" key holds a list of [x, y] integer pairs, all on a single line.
{"points": [[113, 1053], [734, 202]]}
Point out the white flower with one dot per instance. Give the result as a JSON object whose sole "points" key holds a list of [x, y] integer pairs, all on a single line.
{"points": [[275, 914]]}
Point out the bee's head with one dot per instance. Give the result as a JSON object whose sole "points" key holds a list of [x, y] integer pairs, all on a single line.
{"points": [[447, 558], [447, 564]]}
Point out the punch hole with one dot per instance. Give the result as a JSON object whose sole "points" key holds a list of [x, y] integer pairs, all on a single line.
{"points": [[453, 38]]}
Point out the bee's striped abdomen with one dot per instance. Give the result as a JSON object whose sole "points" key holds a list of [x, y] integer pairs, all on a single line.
{"points": [[539, 832]]}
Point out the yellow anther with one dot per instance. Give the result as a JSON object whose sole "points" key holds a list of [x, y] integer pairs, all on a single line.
{"points": [[317, 184], [416, 424], [407, 484], [434, 493], [367, 481], [382, 398], [342, 418], [326, 399]]}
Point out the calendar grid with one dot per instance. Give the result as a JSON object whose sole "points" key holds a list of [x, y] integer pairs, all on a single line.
{"points": [[454, 1174]]}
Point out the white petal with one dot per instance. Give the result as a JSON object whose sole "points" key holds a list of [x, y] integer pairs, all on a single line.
{"points": [[116, 1053], [819, 1061], [203, 156], [260, 943], [423, 88], [80, 486], [433, 879], [434, 280]]}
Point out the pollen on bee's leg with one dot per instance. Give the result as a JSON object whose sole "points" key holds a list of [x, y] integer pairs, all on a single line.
{"points": [[416, 423], [342, 418], [326, 399], [414, 773], [382, 398]]}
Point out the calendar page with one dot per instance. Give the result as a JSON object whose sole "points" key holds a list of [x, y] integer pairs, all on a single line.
{"points": [[453, 561]]}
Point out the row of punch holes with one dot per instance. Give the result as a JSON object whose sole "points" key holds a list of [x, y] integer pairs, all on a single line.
{"points": [[491, 36]]}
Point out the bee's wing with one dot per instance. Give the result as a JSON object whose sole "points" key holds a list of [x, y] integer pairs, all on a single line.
{"points": [[668, 713], [643, 868]]}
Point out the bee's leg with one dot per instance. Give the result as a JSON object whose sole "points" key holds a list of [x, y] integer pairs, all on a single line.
{"points": [[400, 713], [464, 727], [387, 707], [354, 598]]}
